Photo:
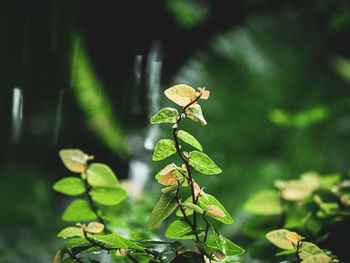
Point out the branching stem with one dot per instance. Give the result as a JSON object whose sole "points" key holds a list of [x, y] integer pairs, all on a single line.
{"points": [[188, 168]]}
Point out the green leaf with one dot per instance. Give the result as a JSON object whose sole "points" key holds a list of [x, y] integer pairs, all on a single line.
{"points": [[164, 148], [70, 186], [188, 211], [73, 242], [278, 238], [317, 259], [188, 138], [71, 231], [108, 196], [116, 241], [202, 163], [79, 210], [111, 240], [264, 203], [165, 206], [193, 207], [203, 203], [179, 229], [224, 245], [195, 113], [165, 115], [308, 249], [101, 175]]}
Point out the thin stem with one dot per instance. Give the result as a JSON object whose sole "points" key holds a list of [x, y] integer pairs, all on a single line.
{"points": [[74, 257], [181, 207], [185, 161], [298, 247], [92, 204], [206, 229]]}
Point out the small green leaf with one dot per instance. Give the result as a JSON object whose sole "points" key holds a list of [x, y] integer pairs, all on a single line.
{"points": [[165, 206], [188, 138], [101, 175], [224, 245], [195, 113], [108, 196], [264, 203], [70, 186], [193, 207], [202, 163], [170, 189], [71, 231], [78, 210], [279, 239], [73, 242], [165, 115], [308, 249], [179, 229], [317, 259], [164, 148], [203, 203], [73, 159]]}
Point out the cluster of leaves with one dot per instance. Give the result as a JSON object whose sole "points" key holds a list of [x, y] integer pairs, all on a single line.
{"points": [[196, 208], [292, 244], [102, 190], [94, 231], [308, 205]]}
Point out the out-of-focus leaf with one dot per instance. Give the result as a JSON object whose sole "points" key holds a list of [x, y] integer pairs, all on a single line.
{"points": [[181, 94], [73, 159], [165, 115], [70, 186], [163, 149], [165, 206], [202, 163], [101, 175], [264, 203], [308, 249], [203, 203], [188, 138], [71, 231], [79, 210], [190, 205], [278, 238], [108, 196], [195, 113]]}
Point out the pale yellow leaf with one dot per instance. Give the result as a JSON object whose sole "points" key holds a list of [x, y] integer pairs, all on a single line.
{"points": [[186, 154], [215, 211], [58, 257], [74, 160], [293, 237], [94, 227], [296, 190], [168, 179], [181, 94], [278, 238], [121, 252]]}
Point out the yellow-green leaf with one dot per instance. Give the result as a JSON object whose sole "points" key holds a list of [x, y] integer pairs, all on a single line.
{"points": [[165, 115], [214, 211], [108, 196], [188, 138], [163, 149], [195, 113], [165, 206], [202, 163], [79, 210], [179, 229], [101, 175], [71, 231], [204, 202], [70, 186]]}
